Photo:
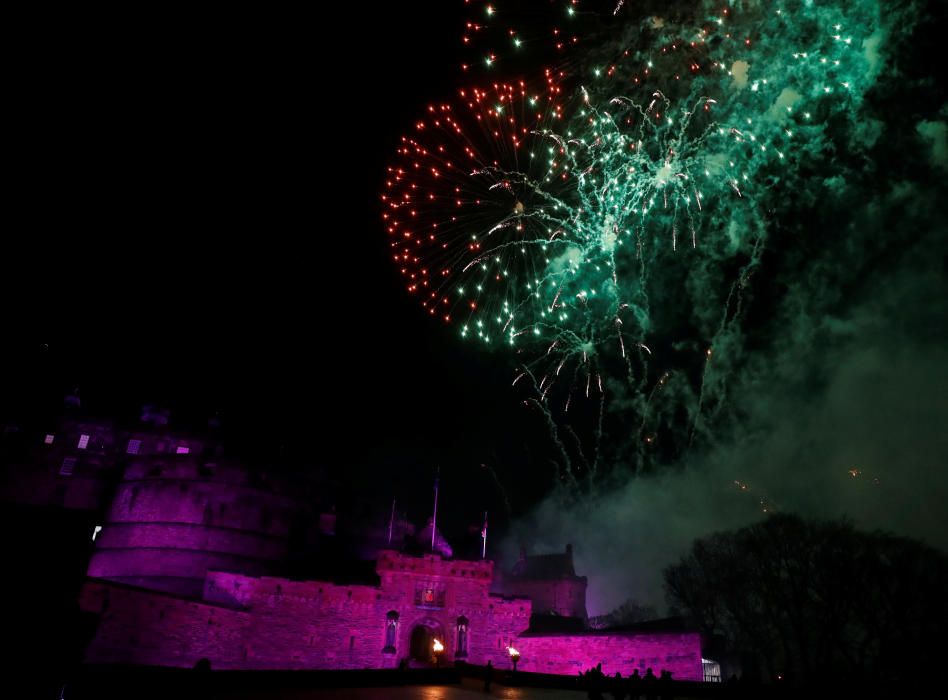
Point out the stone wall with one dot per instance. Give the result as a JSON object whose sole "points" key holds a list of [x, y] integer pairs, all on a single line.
{"points": [[565, 597], [568, 655], [137, 626], [274, 623], [175, 517]]}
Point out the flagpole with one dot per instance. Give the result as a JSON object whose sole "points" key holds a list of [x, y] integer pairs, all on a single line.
{"points": [[391, 523], [434, 519]]}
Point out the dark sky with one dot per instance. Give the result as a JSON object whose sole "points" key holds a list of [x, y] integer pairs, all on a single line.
{"points": [[199, 226], [194, 220]]}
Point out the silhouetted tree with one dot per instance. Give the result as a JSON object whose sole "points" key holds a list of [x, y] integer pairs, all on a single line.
{"points": [[626, 614], [816, 599]]}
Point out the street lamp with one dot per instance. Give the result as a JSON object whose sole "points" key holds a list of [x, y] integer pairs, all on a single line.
{"points": [[514, 656]]}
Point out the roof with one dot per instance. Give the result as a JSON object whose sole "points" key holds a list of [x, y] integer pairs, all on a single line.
{"points": [[555, 624], [665, 624], [544, 566]]}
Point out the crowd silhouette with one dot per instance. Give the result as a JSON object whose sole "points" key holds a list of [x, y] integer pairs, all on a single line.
{"points": [[634, 687]]}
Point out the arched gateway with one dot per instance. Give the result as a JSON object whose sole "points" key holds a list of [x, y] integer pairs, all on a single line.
{"points": [[423, 635]]}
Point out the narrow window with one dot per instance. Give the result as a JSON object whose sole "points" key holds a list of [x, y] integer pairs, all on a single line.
{"points": [[83, 441], [134, 447], [391, 631], [461, 646], [49, 438]]}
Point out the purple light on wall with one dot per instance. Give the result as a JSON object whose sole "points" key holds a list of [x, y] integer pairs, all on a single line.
{"points": [[182, 450]]}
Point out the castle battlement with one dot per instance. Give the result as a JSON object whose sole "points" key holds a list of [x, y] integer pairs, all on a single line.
{"points": [[391, 562]]}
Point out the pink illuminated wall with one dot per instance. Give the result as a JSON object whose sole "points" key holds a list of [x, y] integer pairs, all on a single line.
{"points": [[274, 623], [249, 622], [571, 654]]}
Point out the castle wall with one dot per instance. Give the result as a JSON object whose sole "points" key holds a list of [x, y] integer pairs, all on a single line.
{"points": [[137, 626], [174, 518], [247, 622], [565, 597], [571, 654], [493, 621], [55, 471]]}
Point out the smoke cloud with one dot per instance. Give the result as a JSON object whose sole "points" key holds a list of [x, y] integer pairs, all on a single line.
{"points": [[832, 395]]}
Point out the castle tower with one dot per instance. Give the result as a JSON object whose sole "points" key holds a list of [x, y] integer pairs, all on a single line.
{"points": [[178, 511], [550, 581]]}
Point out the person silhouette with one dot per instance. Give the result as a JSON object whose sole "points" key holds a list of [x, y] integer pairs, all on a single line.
{"points": [[618, 687], [488, 674], [648, 684], [665, 684], [635, 685], [593, 678]]}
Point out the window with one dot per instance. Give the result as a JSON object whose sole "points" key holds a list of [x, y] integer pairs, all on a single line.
{"points": [[712, 671], [461, 646], [134, 447], [391, 632], [83, 441], [69, 466], [182, 450], [49, 438]]}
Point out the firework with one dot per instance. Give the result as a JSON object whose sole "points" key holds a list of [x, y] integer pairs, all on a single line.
{"points": [[606, 216]]}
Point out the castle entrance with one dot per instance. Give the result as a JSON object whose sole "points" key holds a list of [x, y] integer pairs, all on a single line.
{"points": [[422, 642]]}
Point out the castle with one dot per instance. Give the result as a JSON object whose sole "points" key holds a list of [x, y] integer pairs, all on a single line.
{"points": [[194, 559]]}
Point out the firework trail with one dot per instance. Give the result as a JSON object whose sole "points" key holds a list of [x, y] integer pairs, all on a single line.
{"points": [[617, 199]]}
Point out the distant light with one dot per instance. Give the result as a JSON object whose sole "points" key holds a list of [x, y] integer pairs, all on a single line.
{"points": [[96, 531], [182, 450], [83, 441], [49, 438]]}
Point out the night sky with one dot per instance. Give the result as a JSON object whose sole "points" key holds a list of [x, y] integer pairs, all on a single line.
{"points": [[201, 229], [197, 224]]}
